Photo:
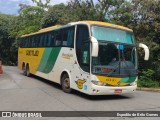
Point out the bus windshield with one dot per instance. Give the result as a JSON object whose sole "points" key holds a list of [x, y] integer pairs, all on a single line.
{"points": [[111, 34], [117, 54]]}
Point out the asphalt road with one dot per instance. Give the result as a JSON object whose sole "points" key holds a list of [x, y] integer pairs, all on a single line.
{"points": [[21, 93]]}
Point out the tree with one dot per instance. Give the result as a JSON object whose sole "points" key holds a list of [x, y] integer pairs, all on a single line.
{"points": [[6, 54], [28, 21], [41, 4], [55, 15], [75, 10], [62, 14]]}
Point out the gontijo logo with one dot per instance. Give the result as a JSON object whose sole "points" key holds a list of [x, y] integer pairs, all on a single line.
{"points": [[32, 52], [67, 56]]}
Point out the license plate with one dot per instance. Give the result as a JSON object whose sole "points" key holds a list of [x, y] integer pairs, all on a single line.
{"points": [[118, 91]]}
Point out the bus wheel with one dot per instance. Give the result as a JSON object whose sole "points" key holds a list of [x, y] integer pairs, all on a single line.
{"points": [[66, 83], [27, 71], [23, 69]]}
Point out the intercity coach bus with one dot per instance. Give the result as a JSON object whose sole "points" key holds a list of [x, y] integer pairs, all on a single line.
{"points": [[93, 57]]}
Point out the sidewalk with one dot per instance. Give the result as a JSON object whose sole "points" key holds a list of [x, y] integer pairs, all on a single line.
{"points": [[148, 89]]}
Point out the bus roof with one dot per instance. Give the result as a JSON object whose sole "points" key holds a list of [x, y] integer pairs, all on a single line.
{"points": [[107, 25], [80, 22], [42, 30]]}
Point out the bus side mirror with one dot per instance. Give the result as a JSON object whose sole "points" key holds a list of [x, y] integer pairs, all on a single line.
{"points": [[95, 48], [146, 50]]}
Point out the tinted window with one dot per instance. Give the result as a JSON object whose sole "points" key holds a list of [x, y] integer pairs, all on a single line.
{"points": [[37, 41], [22, 42], [52, 38], [28, 42], [68, 37], [112, 34], [25, 42], [61, 38], [49, 39], [33, 41], [83, 47], [41, 41], [57, 38]]}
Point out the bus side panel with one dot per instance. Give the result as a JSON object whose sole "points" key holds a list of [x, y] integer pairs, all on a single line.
{"points": [[20, 58], [64, 62], [48, 62], [30, 56]]}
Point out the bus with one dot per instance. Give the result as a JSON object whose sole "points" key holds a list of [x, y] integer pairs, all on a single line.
{"points": [[93, 57]]}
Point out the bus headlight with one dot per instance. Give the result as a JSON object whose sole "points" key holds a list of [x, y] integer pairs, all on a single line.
{"points": [[99, 83], [133, 83]]}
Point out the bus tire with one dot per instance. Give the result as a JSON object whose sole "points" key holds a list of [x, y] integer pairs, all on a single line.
{"points": [[23, 69], [27, 71], [66, 83]]}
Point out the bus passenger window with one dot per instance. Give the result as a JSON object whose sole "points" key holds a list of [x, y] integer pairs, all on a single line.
{"points": [[52, 39], [25, 40], [21, 42], [33, 42], [70, 37], [28, 42], [64, 37], [37, 41], [57, 38], [45, 40], [41, 40], [49, 40]]}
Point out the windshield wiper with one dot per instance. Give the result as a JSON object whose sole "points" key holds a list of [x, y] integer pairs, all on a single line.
{"points": [[123, 57], [109, 74]]}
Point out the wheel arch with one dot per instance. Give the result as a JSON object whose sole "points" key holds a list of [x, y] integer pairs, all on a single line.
{"points": [[28, 64], [65, 72], [23, 64]]}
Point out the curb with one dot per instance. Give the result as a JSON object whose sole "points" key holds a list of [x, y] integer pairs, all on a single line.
{"points": [[149, 89]]}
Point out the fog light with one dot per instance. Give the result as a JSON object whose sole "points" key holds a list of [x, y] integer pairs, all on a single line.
{"points": [[99, 83]]}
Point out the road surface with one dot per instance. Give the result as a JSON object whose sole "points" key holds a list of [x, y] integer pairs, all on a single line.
{"points": [[21, 93]]}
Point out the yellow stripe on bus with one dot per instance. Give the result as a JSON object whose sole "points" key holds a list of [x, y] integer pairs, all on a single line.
{"points": [[32, 56], [109, 80]]}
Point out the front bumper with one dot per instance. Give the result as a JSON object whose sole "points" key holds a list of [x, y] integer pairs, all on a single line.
{"points": [[110, 90]]}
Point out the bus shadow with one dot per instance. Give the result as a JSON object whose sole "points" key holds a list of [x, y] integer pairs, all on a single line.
{"points": [[48, 82], [83, 95], [101, 97]]}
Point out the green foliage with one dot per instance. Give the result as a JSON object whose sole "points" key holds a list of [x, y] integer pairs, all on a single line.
{"points": [[5, 23], [28, 21], [146, 79], [149, 83], [62, 14], [55, 15], [77, 10], [41, 4], [147, 74], [6, 54]]}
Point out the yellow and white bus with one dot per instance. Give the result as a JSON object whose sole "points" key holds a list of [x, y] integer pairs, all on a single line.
{"points": [[93, 57]]}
